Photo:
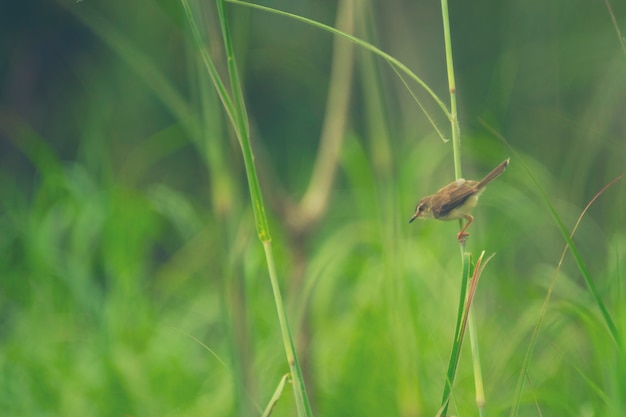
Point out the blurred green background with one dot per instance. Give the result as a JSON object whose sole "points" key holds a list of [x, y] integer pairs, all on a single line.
{"points": [[132, 282]]}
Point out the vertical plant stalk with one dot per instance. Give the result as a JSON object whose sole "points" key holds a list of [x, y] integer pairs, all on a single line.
{"points": [[456, 149], [236, 111], [299, 390], [241, 120], [454, 121]]}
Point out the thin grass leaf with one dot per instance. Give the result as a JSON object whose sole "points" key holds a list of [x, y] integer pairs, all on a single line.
{"points": [[233, 75], [240, 123], [204, 345], [302, 402], [277, 394], [478, 375], [210, 66], [458, 338], [419, 103], [462, 319]]}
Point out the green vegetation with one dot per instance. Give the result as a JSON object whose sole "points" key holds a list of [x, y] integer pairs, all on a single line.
{"points": [[133, 274]]}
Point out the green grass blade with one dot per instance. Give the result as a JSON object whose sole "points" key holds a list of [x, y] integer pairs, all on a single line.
{"points": [[431, 120], [302, 402], [240, 121], [233, 75], [478, 375], [276, 396], [235, 107], [458, 336], [463, 318], [210, 66]]}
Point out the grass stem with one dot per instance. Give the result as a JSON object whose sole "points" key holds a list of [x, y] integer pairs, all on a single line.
{"points": [[235, 108]]}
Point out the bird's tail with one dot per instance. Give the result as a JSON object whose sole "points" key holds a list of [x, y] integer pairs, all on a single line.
{"points": [[493, 174]]}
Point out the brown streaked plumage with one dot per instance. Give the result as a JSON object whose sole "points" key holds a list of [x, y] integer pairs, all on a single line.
{"points": [[456, 200]]}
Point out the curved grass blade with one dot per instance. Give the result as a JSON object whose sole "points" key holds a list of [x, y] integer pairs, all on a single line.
{"points": [[390, 59]]}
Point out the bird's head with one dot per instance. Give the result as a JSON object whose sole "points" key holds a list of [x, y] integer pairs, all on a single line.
{"points": [[423, 209]]}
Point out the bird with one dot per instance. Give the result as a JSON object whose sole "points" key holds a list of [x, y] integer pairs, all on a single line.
{"points": [[456, 200]]}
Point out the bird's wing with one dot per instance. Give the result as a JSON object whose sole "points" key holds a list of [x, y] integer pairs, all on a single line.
{"points": [[458, 192]]}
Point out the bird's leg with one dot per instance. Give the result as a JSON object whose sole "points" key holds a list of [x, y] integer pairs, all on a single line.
{"points": [[462, 235]]}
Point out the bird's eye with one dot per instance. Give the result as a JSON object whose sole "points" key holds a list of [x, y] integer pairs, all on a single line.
{"points": [[420, 207]]}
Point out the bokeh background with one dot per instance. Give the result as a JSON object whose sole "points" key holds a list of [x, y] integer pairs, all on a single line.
{"points": [[132, 282]]}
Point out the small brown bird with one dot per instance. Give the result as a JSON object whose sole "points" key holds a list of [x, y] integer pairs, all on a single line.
{"points": [[456, 200]]}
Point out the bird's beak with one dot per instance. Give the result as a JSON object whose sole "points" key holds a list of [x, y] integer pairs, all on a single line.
{"points": [[415, 216]]}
